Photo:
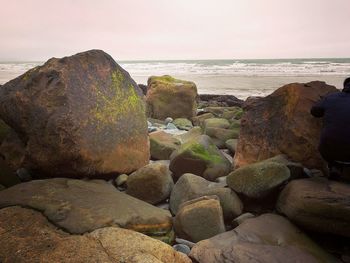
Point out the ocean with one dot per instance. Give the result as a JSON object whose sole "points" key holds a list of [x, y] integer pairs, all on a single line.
{"points": [[242, 78]]}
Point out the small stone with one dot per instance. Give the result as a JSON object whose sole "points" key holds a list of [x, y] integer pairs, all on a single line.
{"points": [[168, 120], [121, 180], [24, 175], [182, 248], [171, 126], [183, 124], [184, 242]]}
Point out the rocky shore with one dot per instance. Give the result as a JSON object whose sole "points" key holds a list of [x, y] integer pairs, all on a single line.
{"points": [[95, 168]]}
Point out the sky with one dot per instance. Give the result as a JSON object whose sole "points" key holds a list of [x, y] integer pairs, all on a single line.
{"points": [[35, 30]]}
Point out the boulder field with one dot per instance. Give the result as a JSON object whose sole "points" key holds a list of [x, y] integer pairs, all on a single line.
{"points": [[87, 176]]}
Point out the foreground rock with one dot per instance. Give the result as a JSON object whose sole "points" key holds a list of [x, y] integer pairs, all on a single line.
{"points": [[199, 219], [265, 239], [82, 206], [27, 236], [318, 205], [162, 145], [151, 183], [191, 186], [201, 157], [78, 116], [281, 123], [258, 180], [169, 97]]}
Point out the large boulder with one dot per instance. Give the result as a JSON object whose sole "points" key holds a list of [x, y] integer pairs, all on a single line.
{"points": [[201, 157], [82, 206], [199, 219], [27, 236], [170, 97], [191, 186], [268, 238], [78, 116], [151, 183], [318, 205], [259, 179], [281, 123]]}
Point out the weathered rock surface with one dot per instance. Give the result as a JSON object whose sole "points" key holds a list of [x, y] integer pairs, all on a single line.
{"points": [[183, 124], [259, 179], [162, 145], [27, 236], [201, 157], [80, 115], [268, 238], [169, 97], [4, 130], [82, 206], [208, 100], [151, 183], [191, 186], [281, 123], [318, 205], [199, 119], [199, 219], [231, 144]]}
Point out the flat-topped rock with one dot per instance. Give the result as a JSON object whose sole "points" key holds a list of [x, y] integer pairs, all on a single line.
{"points": [[317, 204], [27, 236], [170, 97], [82, 206], [78, 116], [268, 238]]}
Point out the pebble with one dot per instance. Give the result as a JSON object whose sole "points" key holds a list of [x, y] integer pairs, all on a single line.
{"points": [[23, 175], [168, 120], [182, 248], [121, 180], [184, 242]]}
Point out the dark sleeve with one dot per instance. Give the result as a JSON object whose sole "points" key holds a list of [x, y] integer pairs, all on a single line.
{"points": [[318, 109]]}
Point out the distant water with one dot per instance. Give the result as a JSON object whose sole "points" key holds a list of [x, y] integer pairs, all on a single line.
{"points": [[241, 78]]}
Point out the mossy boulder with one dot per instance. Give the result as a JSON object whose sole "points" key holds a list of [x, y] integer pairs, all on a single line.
{"points": [[190, 135], [259, 179], [162, 145], [170, 97], [264, 239], [78, 116], [234, 113], [201, 157], [216, 123], [151, 183], [318, 205], [183, 124], [220, 136]]}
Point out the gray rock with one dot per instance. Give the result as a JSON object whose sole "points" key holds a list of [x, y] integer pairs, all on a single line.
{"points": [[182, 248], [171, 126], [168, 120], [191, 186], [151, 183], [24, 175], [82, 206], [199, 219], [317, 204], [184, 242], [183, 124], [264, 239]]}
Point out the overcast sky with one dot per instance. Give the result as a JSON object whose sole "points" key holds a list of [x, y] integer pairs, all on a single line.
{"points": [[175, 29]]}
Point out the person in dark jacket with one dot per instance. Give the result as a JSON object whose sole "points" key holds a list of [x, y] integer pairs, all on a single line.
{"points": [[335, 136]]}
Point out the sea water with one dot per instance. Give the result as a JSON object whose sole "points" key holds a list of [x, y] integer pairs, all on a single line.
{"points": [[241, 78]]}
